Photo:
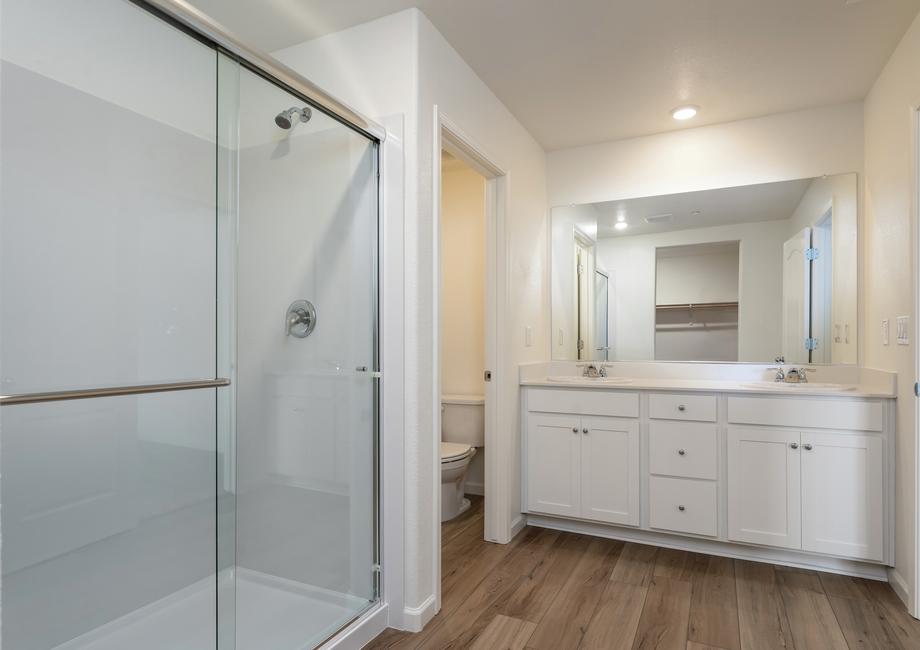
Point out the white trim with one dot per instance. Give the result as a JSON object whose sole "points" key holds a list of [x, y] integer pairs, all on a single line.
{"points": [[498, 484], [416, 618], [517, 525], [360, 632], [899, 585], [713, 547], [471, 487], [911, 599], [392, 348]]}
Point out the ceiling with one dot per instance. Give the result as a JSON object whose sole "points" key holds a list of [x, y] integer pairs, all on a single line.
{"points": [[745, 204], [586, 71]]}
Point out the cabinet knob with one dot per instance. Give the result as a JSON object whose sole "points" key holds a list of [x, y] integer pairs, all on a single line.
{"points": [[681, 407], [794, 445], [574, 429], [585, 430], [807, 446], [681, 508], [681, 452]]}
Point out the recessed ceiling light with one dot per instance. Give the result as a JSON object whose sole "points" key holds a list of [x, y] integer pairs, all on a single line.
{"points": [[621, 225], [696, 212], [685, 112], [621, 218]]}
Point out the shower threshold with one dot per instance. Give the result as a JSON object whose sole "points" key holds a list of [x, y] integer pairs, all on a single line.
{"points": [[271, 613]]}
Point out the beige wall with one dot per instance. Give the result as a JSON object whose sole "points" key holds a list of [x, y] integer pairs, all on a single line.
{"points": [[889, 229], [463, 241]]}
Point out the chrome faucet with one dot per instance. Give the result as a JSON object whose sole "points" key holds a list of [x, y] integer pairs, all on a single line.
{"points": [[592, 371], [798, 375], [780, 374], [791, 376]]}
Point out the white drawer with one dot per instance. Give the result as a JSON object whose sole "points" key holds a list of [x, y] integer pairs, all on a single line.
{"points": [[584, 402], [817, 412], [677, 406], [687, 449], [683, 506]]}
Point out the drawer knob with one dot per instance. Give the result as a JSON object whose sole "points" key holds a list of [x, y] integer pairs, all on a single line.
{"points": [[574, 429], [807, 446], [794, 445], [681, 407], [681, 508], [682, 452], [585, 430]]}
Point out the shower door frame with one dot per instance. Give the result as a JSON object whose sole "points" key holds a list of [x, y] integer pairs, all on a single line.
{"points": [[372, 620]]}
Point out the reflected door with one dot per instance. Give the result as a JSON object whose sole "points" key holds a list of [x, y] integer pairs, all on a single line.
{"points": [[796, 297]]}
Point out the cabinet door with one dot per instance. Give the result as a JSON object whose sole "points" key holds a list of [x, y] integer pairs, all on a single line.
{"points": [[764, 486], [842, 490], [553, 445], [610, 470]]}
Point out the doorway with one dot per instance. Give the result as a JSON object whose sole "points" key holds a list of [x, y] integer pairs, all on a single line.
{"points": [[457, 150]]}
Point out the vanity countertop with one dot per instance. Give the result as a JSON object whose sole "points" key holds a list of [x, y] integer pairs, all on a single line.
{"points": [[715, 386]]}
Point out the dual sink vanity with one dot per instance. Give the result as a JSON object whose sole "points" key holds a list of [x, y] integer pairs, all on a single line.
{"points": [[716, 458]]}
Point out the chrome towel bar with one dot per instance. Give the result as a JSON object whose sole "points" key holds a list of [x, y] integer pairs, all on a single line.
{"points": [[88, 393]]}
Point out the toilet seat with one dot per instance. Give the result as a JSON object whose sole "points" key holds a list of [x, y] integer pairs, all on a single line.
{"points": [[453, 451]]}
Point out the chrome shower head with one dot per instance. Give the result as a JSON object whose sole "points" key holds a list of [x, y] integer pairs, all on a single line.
{"points": [[285, 119]]}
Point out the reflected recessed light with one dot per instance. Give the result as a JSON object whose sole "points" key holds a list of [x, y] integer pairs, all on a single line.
{"points": [[621, 218], [685, 112], [621, 225], [696, 212]]}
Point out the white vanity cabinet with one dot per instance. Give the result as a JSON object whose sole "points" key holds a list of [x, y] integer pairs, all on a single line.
{"points": [[819, 489], [583, 465], [800, 479]]}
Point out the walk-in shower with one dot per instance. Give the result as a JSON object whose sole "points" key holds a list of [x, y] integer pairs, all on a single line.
{"points": [[180, 468]]}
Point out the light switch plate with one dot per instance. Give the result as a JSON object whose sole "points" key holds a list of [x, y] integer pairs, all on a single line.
{"points": [[886, 332], [903, 330], [528, 337]]}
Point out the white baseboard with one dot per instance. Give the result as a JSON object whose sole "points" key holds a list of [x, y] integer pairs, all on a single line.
{"points": [[712, 547], [517, 525], [416, 618], [902, 589], [474, 488], [361, 632]]}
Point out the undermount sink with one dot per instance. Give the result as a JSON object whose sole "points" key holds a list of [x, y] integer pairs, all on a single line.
{"points": [[579, 379], [783, 386]]}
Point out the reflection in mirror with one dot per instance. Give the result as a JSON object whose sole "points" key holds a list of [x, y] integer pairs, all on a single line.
{"points": [[749, 274]]}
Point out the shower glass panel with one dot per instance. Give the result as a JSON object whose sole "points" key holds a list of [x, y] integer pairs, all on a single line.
{"points": [[163, 208], [107, 280], [301, 194]]}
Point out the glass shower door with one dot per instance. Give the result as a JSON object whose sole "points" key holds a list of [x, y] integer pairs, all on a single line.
{"points": [[300, 263], [107, 280]]}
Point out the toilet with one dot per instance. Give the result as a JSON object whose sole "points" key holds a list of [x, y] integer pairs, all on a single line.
{"points": [[462, 430]]}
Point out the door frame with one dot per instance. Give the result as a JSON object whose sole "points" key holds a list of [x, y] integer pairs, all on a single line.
{"points": [[450, 137], [913, 602]]}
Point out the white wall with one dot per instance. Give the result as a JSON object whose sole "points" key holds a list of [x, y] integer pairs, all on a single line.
{"points": [[782, 147], [463, 262], [697, 275], [631, 261], [418, 71], [890, 236]]}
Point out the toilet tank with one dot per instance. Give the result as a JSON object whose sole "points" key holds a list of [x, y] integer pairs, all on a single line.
{"points": [[463, 419]]}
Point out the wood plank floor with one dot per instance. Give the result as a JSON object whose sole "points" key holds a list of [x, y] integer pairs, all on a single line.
{"points": [[548, 590]]}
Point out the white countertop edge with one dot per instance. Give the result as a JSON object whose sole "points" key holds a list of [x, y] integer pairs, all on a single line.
{"points": [[714, 386]]}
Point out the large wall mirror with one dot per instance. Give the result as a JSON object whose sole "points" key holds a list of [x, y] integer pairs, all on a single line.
{"points": [[745, 274]]}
